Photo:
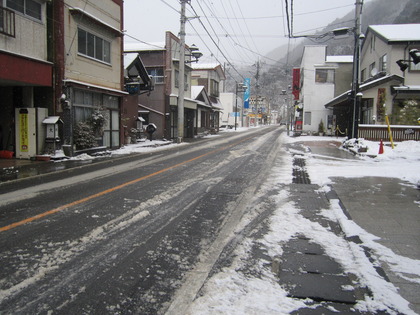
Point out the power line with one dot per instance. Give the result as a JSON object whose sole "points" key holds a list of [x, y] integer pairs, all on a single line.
{"points": [[205, 28]]}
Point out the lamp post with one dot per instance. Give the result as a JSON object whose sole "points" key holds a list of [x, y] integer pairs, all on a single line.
{"points": [[239, 88], [415, 56]]}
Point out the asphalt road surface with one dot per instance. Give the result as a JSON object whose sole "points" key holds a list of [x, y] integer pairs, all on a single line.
{"points": [[138, 236]]}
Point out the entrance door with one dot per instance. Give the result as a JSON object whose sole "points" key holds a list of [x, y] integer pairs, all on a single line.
{"points": [[111, 138]]}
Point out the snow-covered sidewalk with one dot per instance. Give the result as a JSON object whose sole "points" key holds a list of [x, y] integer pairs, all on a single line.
{"points": [[235, 290]]}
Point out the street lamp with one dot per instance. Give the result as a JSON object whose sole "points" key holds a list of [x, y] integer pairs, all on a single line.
{"points": [[415, 56], [239, 88]]}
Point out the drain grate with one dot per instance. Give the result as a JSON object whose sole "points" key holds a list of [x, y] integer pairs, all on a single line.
{"points": [[300, 176]]}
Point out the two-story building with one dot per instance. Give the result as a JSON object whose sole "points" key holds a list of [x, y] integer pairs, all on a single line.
{"points": [[322, 78], [211, 77], [88, 46], [386, 87], [161, 61], [59, 58], [26, 75]]}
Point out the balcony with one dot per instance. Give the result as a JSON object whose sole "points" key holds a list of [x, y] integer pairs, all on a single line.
{"points": [[7, 22]]}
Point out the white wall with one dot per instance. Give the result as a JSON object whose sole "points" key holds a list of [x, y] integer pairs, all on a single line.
{"points": [[314, 95]]}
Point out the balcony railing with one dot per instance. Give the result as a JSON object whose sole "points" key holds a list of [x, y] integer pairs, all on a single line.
{"points": [[7, 22]]}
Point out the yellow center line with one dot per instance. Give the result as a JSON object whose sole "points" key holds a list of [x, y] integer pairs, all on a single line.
{"points": [[107, 191]]}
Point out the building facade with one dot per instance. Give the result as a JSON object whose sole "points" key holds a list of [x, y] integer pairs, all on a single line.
{"points": [[89, 77], [160, 107], [60, 58], [322, 78], [26, 75], [387, 89]]}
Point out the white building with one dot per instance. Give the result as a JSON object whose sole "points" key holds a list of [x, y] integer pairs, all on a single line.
{"points": [[322, 78], [232, 106]]}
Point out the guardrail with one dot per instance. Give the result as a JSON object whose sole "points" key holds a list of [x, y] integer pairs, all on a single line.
{"points": [[7, 22], [380, 132]]}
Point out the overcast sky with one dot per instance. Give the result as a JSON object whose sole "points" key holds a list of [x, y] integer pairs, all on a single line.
{"points": [[244, 30]]}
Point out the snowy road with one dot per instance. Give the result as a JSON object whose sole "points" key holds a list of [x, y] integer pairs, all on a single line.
{"points": [[139, 237]]}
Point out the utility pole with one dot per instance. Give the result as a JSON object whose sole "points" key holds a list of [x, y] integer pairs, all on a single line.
{"points": [[181, 78], [356, 67], [257, 77]]}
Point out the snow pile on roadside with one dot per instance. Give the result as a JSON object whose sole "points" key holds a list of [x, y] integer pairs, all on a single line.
{"points": [[402, 162]]}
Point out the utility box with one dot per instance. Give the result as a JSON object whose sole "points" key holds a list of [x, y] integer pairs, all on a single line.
{"points": [[30, 133]]}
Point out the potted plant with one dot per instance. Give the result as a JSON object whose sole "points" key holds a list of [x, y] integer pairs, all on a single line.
{"points": [[321, 129]]}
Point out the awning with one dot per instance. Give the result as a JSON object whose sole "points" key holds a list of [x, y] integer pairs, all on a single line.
{"points": [[188, 103], [83, 13], [344, 98], [103, 89]]}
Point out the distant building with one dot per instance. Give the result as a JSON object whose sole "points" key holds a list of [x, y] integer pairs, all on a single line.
{"points": [[212, 78], [322, 78], [161, 61]]}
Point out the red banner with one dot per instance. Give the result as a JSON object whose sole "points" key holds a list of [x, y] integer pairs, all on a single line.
{"points": [[296, 83]]}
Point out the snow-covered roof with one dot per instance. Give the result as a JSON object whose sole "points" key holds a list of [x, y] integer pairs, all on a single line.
{"points": [[205, 65], [196, 90], [132, 47], [129, 58], [94, 18], [339, 59], [397, 32]]}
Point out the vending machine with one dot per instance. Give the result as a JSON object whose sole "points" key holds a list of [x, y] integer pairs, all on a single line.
{"points": [[30, 132]]}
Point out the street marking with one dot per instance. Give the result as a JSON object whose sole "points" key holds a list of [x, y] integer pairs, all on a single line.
{"points": [[107, 191]]}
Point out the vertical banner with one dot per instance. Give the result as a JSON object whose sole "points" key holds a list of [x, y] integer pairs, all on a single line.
{"points": [[296, 83], [247, 93], [23, 124]]}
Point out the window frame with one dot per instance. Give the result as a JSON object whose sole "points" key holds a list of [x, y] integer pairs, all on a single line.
{"points": [[24, 10], [412, 66], [89, 48], [158, 74], [327, 79], [383, 63]]}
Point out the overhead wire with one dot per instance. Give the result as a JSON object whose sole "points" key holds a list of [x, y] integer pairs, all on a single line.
{"points": [[212, 39]]}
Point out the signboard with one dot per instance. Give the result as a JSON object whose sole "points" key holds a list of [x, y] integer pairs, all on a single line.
{"points": [[23, 125], [296, 83], [247, 93]]}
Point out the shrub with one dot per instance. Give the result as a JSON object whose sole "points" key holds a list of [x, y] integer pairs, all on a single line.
{"points": [[83, 136]]}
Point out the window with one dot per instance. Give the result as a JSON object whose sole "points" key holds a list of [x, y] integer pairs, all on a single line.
{"points": [[157, 74], [363, 75], [177, 80], [307, 116], [214, 88], [372, 43], [372, 66], [30, 8], [383, 63], [7, 22], [324, 75], [414, 67], [93, 46]]}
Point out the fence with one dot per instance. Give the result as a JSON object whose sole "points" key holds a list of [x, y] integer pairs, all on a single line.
{"points": [[380, 132]]}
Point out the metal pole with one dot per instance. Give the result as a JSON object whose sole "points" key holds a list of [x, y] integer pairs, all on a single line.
{"points": [[236, 105], [181, 78], [356, 67]]}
